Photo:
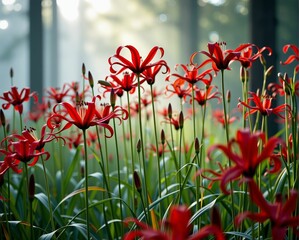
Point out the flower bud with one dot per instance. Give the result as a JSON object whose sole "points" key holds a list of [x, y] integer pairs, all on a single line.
{"points": [[11, 72], [139, 146], [242, 74], [181, 120], [269, 71], [90, 79], [169, 110], [112, 97], [2, 117], [83, 69], [31, 188], [137, 181], [228, 96], [196, 146], [162, 136], [263, 60]]}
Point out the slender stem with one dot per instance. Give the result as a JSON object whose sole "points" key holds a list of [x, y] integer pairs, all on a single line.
{"points": [[86, 183]]}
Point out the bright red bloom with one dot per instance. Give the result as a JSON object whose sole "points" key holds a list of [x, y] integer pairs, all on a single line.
{"points": [[137, 65], [17, 99], [127, 83], [247, 57], [291, 58], [180, 88], [21, 151], [280, 214], [149, 74], [57, 94], [220, 58], [192, 75], [247, 156], [286, 86], [177, 227], [264, 106], [203, 95]]}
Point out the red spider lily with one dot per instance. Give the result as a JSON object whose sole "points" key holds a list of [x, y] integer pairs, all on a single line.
{"points": [[203, 95], [75, 139], [21, 151], [30, 135], [247, 57], [192, 75], [218, 114], [286, 86], [106, 113], [38, 111], [92, 137], [17, 99], [57, 94], [149, 74], [177, 227], [248, 156], [83, 116], [127, 83], [118, 90], [263, 105], [176, 120], [137, 65], [179, 88], [161, 149], [77, 95], [280, 214], [291, 58], [220, 58]]}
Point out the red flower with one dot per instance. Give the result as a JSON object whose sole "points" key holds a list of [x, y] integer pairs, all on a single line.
{"points": [[247, 57], [21, 151], [264, 106], [179, 88], [247, 156], [202, 95], [219, 116], [58, 94], [192, 75], [17, 99], [137, 65], [176, 120], [220, 58], [149, 74], [286, 86], [128, 82], [280, 214], [291, 58], [177, 227]]}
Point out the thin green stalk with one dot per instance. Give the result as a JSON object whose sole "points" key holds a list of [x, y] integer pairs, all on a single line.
{"points": [[86, 184], [132, 149], [157, 145], [48, 195], [227, 137]]}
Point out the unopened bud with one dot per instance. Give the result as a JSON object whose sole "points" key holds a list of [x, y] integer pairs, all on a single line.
{"points": [[263, 60], [31, 188], [228, 96], [2, 117], [162, 136], [112, 97], [269, 71], [196, 146], [215, 216], [169, 110], [139, 146], [181, 120], [11, 72], [137, 181], [242, 74], [83, 69], [90, 79]]}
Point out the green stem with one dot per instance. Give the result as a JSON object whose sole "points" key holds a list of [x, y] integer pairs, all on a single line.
{"points": [[86, 183]]}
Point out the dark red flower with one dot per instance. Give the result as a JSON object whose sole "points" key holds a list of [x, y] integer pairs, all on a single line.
{"points": [[136, 64], [203, 95], [149, 74], [291, 58], [17, 99], [218, 57], [176, 120], [247, 55], [192, 75], [284, 87], [57, 94], [176, 227], [180, 88], [263, 104], [127, 83], [280, 214], [247, 155]]}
